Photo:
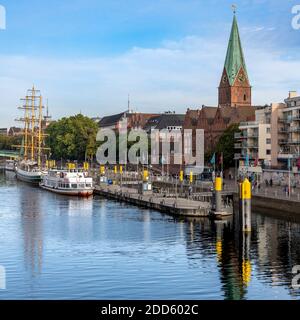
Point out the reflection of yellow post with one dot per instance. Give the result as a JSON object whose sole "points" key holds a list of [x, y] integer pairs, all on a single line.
{"points": [[219, 249], [246, 272]]}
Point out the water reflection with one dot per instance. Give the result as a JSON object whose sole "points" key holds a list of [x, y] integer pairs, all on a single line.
{"points": [[32, 228], [96, 248]]}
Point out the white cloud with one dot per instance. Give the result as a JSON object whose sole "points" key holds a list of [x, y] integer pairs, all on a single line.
{"points": [[177, 75]]}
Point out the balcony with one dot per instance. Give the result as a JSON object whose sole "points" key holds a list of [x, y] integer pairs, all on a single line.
{"points": [[253, 135], [240, 135], [294, 129], [283, 130], [282, 141], [294, 141], [286, 119], [249, 123], [237, 146]]}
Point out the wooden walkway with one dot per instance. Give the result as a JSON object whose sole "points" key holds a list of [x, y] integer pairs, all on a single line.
{"points": [[177, 206]]}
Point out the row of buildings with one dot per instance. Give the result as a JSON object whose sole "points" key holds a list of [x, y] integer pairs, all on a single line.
{"points": [[234, 103], [273, 138], [269, 135]]}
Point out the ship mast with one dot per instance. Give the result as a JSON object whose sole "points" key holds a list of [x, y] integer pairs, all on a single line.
{"points": [[33, 135]]}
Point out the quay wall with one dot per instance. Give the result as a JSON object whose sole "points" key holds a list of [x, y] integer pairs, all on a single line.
{"points": [[282, 208]]}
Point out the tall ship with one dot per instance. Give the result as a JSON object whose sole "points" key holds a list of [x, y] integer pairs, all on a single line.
{"points": [[71, 182], [32, 150]]}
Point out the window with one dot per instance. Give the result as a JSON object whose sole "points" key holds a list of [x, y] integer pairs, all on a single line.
{"points": [[268, 141], [268, 152], [74, 186], [268, 130], [245, 97]]}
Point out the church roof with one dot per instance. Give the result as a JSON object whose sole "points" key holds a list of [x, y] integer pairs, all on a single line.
{"points": [[234, 57]]}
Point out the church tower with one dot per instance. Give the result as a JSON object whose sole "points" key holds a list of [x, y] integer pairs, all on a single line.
{"points": [[235, 89]]}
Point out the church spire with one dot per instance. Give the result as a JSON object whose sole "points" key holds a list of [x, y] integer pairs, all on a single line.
{"points": [[235, 89], [235, 56]]}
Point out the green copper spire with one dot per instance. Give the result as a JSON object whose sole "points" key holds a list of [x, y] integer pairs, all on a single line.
{"points": [[235, 57]]}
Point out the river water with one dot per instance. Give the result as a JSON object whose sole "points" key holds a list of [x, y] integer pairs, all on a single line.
{"points": [[56, 247]]}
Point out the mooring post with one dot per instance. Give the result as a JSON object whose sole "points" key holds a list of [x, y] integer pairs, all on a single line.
{"points": [[218, 194], [246, 205]]}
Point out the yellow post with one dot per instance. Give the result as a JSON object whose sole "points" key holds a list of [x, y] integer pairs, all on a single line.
{"points": [[218, 184], [47, 164], [218, 194], [181, 176], [86, 166], [191, 177], [102, 170], [246, 205], [246, 190], [116, 169], [145, 175], [121, 169]]}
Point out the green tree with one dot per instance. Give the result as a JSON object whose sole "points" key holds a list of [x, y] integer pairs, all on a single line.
{"points": [[72, 138], [225, 145], [7, 142]]}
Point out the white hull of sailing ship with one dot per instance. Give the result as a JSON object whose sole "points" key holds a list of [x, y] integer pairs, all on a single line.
{"points": [[68, 182], [27, 172], [10, 165]]}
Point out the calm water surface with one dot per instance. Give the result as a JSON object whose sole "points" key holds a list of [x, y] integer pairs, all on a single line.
{"points": [[55, 247]]}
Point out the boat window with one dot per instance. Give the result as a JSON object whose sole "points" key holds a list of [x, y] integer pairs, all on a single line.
{"points": [[74, 186], [88, 185]]}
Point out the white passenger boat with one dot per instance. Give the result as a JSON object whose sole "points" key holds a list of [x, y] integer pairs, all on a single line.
{"points": [[10, 165], [74, 182]]}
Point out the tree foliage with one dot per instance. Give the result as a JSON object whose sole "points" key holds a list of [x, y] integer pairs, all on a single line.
{"points": [[72, 138], [7, 142], [225, 145]]}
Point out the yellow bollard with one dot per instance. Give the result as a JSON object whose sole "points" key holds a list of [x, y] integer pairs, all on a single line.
{"points": [[191, 177], [145, 175], [218, 194], [181, 176], [121, 169], [246, 205], [102, 170], [218, 184]]}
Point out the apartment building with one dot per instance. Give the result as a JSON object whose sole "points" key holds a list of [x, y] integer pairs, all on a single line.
{"points": [[273, 139], [288, 124], [254, 140]]}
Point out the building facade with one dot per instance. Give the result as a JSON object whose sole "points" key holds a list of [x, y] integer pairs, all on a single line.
{"points": [[253, 143]]}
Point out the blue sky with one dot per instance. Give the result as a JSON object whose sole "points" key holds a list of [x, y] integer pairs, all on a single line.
{"points": [[87, 55]]}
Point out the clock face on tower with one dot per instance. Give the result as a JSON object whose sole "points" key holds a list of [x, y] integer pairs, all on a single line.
{"points": [[242, 77]]}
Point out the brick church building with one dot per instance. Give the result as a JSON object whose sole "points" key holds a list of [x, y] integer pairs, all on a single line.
{"points": [[234, 103]]}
